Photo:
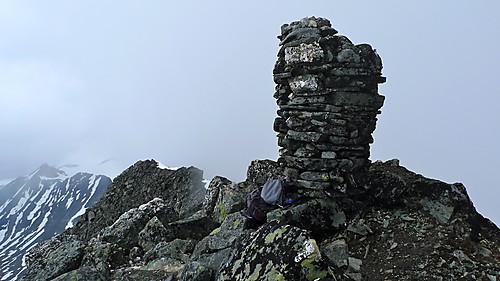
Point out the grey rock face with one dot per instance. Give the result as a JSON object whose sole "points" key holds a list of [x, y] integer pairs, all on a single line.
{"points": [[276, 252], [260, 171], [223, 198], [182, 189], [125, 231], [319, 216], [195, 271], [153, 233], [214, 249], [54, 257]]}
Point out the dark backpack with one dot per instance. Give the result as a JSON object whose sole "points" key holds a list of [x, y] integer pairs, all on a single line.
{"points": [[272, 192], [262, 200]]}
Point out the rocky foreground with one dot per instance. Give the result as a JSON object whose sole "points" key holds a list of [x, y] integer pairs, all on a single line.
{"points": [[160, 224]]}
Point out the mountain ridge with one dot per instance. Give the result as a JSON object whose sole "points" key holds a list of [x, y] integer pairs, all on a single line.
{"points": [[405, 227], [35, 207]]}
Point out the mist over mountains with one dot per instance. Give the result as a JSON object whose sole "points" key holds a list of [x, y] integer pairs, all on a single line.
{"points": [[36, 207]]}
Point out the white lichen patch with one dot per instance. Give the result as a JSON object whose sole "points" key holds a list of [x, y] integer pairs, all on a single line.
{"points": [[304, 83], [309, 250], [304, 53]]}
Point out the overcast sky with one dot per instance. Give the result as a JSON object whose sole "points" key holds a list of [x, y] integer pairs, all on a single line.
{"points": [[190, 83]]}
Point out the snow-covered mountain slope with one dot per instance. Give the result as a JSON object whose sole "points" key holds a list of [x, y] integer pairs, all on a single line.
{"points": [[39, 206]]}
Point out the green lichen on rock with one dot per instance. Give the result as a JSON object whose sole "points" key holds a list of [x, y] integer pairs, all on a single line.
{"points": [[195, 271], [256, 273], [223, 213], [271, 253], [215, 231], [236, 224], [312, 272], [318, 215], [273, 274], [277, 234]]}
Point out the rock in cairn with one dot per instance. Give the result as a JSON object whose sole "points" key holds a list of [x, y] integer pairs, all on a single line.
{"points": [[327, 93]]}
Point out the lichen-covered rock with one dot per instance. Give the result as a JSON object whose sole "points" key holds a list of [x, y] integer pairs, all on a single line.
{"points": [[215, 248], [125, 231], [104, 256], [54, 257], [135, 274], [223, 197], [195, 271], [177, 249], [336, 252], [164, 261], [392, 184], [276, 252], [230, 232], [260, 171], [320, 216], [153, 233], [181, 189], [194, 227], [84, 273]]}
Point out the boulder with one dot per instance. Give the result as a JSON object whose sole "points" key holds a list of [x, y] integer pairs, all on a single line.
{"points": [[177, 249], [84, 273], [336, 252], [320, 216], [215, 248], [260, 171], [125, 231], [224, 197], [104, 256], [195, 271], [153, 233], [194, 227], [54, 257], [276, 252]]}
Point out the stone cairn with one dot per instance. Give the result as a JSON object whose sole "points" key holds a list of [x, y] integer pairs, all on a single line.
{"points": [[327, 93]]}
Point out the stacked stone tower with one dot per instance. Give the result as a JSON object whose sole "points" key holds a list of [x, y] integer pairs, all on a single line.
{"points": [[327, 93]]}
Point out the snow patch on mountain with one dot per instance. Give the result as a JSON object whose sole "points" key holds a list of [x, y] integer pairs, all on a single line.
{"points": [[163, 166]]}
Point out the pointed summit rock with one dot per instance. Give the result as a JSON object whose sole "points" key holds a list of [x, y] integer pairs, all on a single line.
{"points": [[48, 171]]}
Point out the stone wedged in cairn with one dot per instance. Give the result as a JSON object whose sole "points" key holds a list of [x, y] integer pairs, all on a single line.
{"points": [[327, 93]]}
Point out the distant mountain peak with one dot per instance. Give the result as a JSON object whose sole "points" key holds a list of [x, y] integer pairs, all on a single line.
{"points": [[48, 171]]}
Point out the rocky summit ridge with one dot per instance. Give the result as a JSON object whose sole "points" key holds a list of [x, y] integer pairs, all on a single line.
{"points": [[351, 219], [406, 227]]}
